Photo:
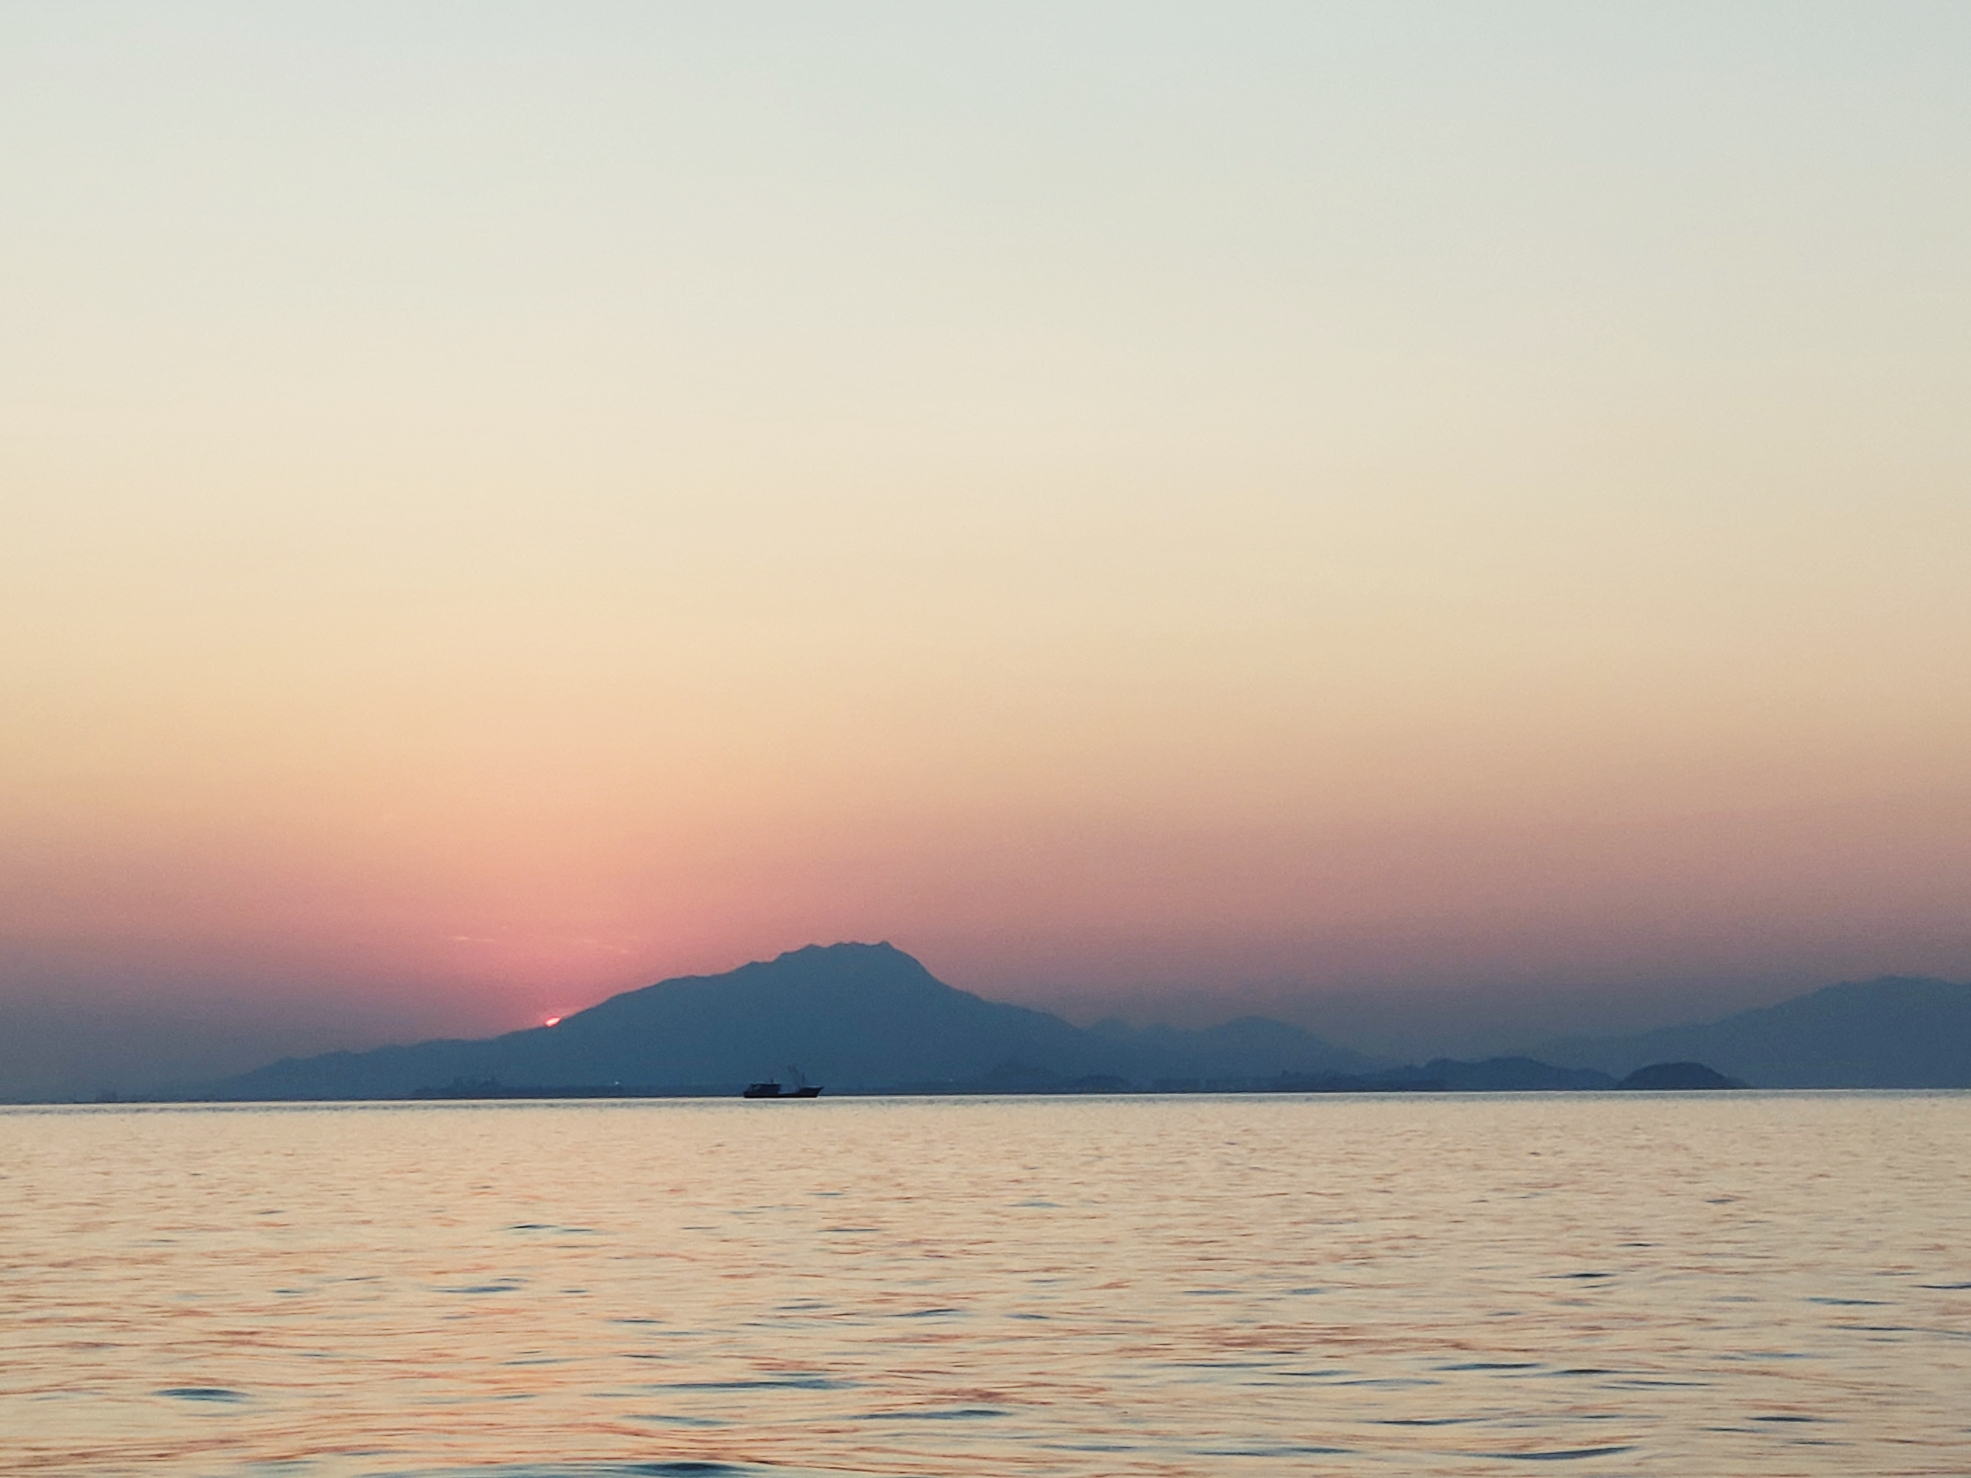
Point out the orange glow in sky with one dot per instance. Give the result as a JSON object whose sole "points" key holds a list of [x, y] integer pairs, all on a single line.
{"points": [[1183, 510]]}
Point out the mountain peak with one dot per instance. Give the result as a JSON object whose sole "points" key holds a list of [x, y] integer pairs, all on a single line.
{"points": [[847, 951]]}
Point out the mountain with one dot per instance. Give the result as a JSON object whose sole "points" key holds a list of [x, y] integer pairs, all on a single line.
{"points": [[850, 1015], [1895, 1032], [1677, 1077]]}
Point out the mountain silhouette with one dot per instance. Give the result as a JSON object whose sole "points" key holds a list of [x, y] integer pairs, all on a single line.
{"points": [[1677, 1077], [850, 1015], [1894, 1032]]}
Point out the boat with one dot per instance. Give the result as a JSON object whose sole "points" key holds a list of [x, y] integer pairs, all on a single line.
{"points": [[772, 1088]]}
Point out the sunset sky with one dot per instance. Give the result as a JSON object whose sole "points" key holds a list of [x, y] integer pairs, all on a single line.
{"points": [[1167, 509]]}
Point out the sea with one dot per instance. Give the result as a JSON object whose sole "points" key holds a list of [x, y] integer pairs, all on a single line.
{"points": [[1692, 1284]]}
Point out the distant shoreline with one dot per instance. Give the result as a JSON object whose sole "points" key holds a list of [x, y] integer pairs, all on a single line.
{"points": [[1502, 1075]]}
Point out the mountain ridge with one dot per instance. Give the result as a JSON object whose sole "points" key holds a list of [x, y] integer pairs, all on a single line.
{"points": [[855, 1016], [1895, 1031], [869, 1017]]}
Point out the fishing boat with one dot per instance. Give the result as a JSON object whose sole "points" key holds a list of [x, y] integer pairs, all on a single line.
{"points": [[773, 1088]]}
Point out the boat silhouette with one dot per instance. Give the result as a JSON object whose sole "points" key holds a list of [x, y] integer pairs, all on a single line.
{"points": [[772, 1088]]}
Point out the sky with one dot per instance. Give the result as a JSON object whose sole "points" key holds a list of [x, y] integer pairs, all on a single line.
{"points": [[1424, 519]]}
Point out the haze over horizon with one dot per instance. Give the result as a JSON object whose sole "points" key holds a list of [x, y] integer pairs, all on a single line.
{"points": [[1422, 522]]}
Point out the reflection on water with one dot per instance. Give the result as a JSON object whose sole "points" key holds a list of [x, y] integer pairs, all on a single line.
{"points": [[1733, 1284]]}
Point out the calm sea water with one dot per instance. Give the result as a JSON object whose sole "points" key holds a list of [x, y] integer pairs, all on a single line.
{"points": [[1734, 1284]]}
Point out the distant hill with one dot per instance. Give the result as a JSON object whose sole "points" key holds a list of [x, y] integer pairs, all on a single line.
{"points": [[1677, 1077], [1895, 1032], [1508, 1075], [849, 1015], [1449, 1075]]}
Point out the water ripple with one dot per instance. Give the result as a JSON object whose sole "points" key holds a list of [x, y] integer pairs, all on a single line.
{"points": [[1234, 1287]]}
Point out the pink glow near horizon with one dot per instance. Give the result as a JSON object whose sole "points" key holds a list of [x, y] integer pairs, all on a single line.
{"points": [[459, 570]]}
